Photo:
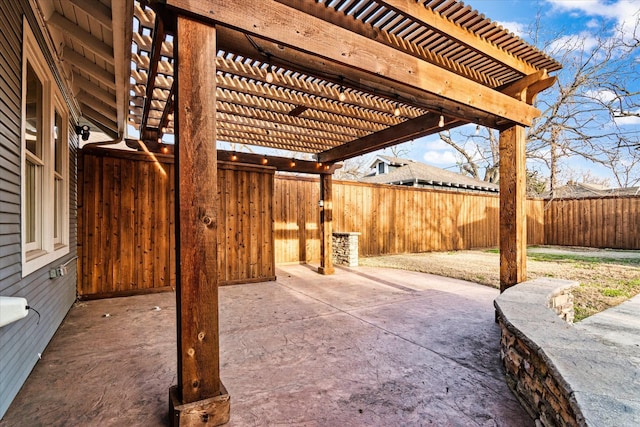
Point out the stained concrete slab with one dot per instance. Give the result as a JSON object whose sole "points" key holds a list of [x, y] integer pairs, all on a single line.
{"points": [[364, 347]]}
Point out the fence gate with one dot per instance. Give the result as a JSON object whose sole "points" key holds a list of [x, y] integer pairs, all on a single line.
{"points": [[126, 218]]}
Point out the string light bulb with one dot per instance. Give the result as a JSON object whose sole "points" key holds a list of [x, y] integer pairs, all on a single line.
{"points": [[293, 163], [441, 122], [477, 129], [234, 157], [396, 111], [265, 160], [341, 96], [270, 76], [270, 68]]}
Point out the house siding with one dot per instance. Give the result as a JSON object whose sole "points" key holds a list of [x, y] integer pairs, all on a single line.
{"points": [[21, 342]]}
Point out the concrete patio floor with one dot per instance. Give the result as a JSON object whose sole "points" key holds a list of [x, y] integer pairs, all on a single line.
{"points": [[364, 347]]}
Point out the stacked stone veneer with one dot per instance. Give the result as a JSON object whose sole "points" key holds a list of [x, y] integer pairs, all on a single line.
{"points": [[527, 320], [562, 304], [345, 249], [540, 391]]}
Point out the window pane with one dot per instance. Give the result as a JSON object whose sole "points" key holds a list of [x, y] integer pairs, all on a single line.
{"points": [[57, 211], [31, 172], [58, 142], [33, 105]]}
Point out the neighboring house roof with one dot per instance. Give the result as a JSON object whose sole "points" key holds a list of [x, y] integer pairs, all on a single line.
{"points": [[411, 171], [577, 190], [393, 161]]}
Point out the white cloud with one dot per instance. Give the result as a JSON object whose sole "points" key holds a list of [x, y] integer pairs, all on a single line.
{"points": [[603, 96], [440, 157], [593, 24], [436, 144], [516, 28], [628, 121], [625, 12]]}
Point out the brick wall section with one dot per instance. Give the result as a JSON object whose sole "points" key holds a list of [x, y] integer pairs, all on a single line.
{"points": [[345, 249]]}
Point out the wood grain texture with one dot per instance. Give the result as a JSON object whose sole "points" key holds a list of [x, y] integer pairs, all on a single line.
{"points": [[513, 219], [197, 213], [126, 227], [301, 31], [290, 226]]}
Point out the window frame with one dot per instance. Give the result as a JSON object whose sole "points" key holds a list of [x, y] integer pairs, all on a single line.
{"points": [[47, 247]]}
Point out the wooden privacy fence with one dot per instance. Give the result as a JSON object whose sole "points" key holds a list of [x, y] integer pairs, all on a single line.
{"points": [[126, 241], [611, 222], [126, 221], [391, 219]]}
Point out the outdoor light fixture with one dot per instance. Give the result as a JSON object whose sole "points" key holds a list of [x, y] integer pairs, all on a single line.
{"points": [[270, 68], [84, 131], [270, 76], [396, 111], [342, 97], [441, 122]]}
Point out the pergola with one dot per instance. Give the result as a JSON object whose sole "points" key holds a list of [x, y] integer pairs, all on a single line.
{"points": [[333, 78]]}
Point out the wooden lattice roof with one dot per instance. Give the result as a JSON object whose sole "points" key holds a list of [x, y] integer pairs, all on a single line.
{"points": [[316, 109], [349, 76]]}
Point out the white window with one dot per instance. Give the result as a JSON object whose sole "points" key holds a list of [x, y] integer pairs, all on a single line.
{"points": [[45, 168]]}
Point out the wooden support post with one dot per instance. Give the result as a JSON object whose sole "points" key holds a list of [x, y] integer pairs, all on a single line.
{"points": [[513, 216], [199, 396], [326, 229]]}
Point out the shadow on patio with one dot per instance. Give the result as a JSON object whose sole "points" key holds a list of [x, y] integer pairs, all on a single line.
{"points": [[364, 347]]}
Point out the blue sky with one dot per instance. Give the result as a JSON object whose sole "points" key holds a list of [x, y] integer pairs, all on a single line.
{"points": [[584, 18]]}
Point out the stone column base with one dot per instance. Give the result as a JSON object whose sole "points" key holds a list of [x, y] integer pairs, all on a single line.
{"points": [[214, 411]]}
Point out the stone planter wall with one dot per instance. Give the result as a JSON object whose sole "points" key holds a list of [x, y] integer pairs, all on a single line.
{"points": [[527, 322]]}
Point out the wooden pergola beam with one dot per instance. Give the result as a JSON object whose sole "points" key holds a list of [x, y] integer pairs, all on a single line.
{"points": [[324, 91], [406, 131], [282, 164], [234, 41], [158, 37], [331, 15], [239, 103], [300, 98], [299, 31]]}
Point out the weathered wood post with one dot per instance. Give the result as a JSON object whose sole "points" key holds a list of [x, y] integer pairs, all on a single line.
{"points": [[199, 395], [513, 214], [326, 225]]}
